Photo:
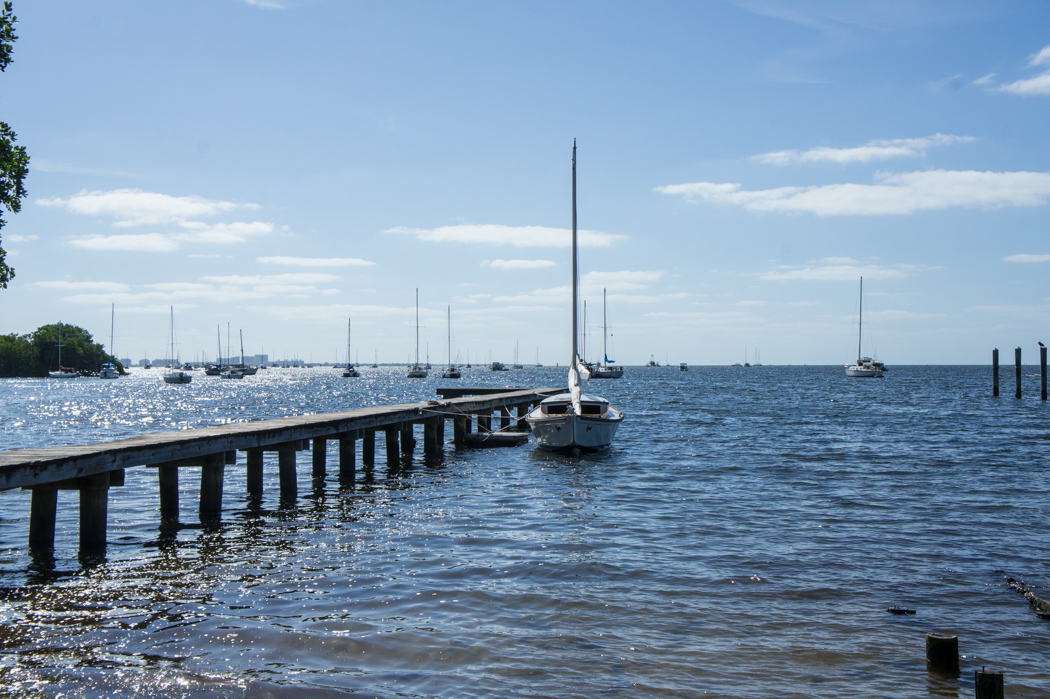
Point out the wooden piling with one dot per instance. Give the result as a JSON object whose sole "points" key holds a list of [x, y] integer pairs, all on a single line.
{"points": [[168, 480], [320, 457], [942, 652], [995, 372], [42, 510], [368, 448], [504, 420], [459, 431], [408, 439], [988, 684], [255, 473], [430, 441], [1042, 372], [485, 423], [211, 490], [441, 432], [523, 410], [393, 459], [1017, 372], [94, 503], [347, 458], [287, 474]]}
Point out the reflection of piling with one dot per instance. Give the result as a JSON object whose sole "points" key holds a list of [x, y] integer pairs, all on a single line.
{"points": [[1042, 371], [1017, 372], [995, 372], [942, 652], [988, 684]]}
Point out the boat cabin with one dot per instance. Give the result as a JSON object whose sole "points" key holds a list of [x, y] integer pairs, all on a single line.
{"points": [[561, 404]]}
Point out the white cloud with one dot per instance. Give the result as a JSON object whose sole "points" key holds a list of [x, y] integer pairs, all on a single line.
{"points": [[146, 242], [516, 236], [623, 280], [134, 207], [16, 238], [519, 264], [985, 79], [222, 233], [274, 279], [874, 150], [1039, 85], [1026, 258], [895, 194], [837, 269], [315, 261], [84, 286], [266, 4]]}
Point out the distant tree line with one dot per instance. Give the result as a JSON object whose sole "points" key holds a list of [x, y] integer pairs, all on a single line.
{"points": [[37, 353]]}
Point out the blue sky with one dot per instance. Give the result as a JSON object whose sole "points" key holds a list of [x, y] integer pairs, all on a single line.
{"points": [[282, 166]]}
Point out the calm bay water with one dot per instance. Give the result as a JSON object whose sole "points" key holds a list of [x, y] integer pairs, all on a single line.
{"points": [[742, 539]]}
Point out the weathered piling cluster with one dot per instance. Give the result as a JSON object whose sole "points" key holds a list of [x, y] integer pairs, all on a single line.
{"points": [[942, 657], [1017, 372], [95, 468]]}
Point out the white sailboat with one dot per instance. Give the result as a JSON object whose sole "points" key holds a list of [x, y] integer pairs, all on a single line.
{"points": [[452, 372], [351, 372], [416, 371], [605, 369], [866, 367], [174, 375], [63, 372], [573, 422], [109, 369]]}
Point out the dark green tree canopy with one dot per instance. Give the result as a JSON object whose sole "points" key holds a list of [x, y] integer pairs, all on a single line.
{"points": [[14, 162], [37, 353]]}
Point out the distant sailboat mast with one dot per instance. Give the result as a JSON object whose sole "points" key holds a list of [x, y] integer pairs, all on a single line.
{"points": [[860, 318]]}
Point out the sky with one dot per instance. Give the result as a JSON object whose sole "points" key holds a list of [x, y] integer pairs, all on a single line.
{"points": [[282, 166]]}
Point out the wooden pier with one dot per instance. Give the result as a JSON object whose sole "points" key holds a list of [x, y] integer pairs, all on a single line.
{"points": [[93, 469]]}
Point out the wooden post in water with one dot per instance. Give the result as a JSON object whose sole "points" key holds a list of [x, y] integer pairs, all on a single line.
{"points": [[430, 442], [942, 652], [988, 684], [393, 459], [347, 458], [523, 410], [485, 422], [94, 503], [368, 448], [408, 438], [286, 473], [320, 457], [168, 480], [42, 510], [1042, 371], [211, 487], [995, 372], [441, 432], [460, 425], [255, 473], [504, 420], [1017, 372]]}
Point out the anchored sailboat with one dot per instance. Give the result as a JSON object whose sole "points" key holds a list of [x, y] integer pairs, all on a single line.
{"points": [[63, 372], [109, 369], [573, 422], [174, 375], [451, 372], [866, 367], [351, 372], [606, 370], [416, 371]]}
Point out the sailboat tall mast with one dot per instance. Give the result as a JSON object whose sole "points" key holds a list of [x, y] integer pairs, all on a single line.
{"points": [[575, 347], [112, 315], [605, 331], [860, 318], [450, 335], [417, 327]]}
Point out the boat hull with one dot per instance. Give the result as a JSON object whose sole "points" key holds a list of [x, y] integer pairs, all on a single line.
{"points": [[572, 432], [863, 373], [177, 377], [606, 373]]}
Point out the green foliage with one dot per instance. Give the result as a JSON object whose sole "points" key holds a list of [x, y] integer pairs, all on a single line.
{"points": [[37, 353], [14, 161]]}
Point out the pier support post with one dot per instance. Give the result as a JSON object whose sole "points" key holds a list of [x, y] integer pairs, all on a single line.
{"points": [[942, 652], [504, 420], [320, 457], [42, 510], [460, 425], [441, 432], [392, 457], [408, 438], [368, 448], [523, 410], [168, 480], [94, 503], [286, 474], [995, 372], [255, 473], [430, 442], [1042, 372], [1017, 372], [485, 423], [347, 458], [988, 684], [211, 488]]}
